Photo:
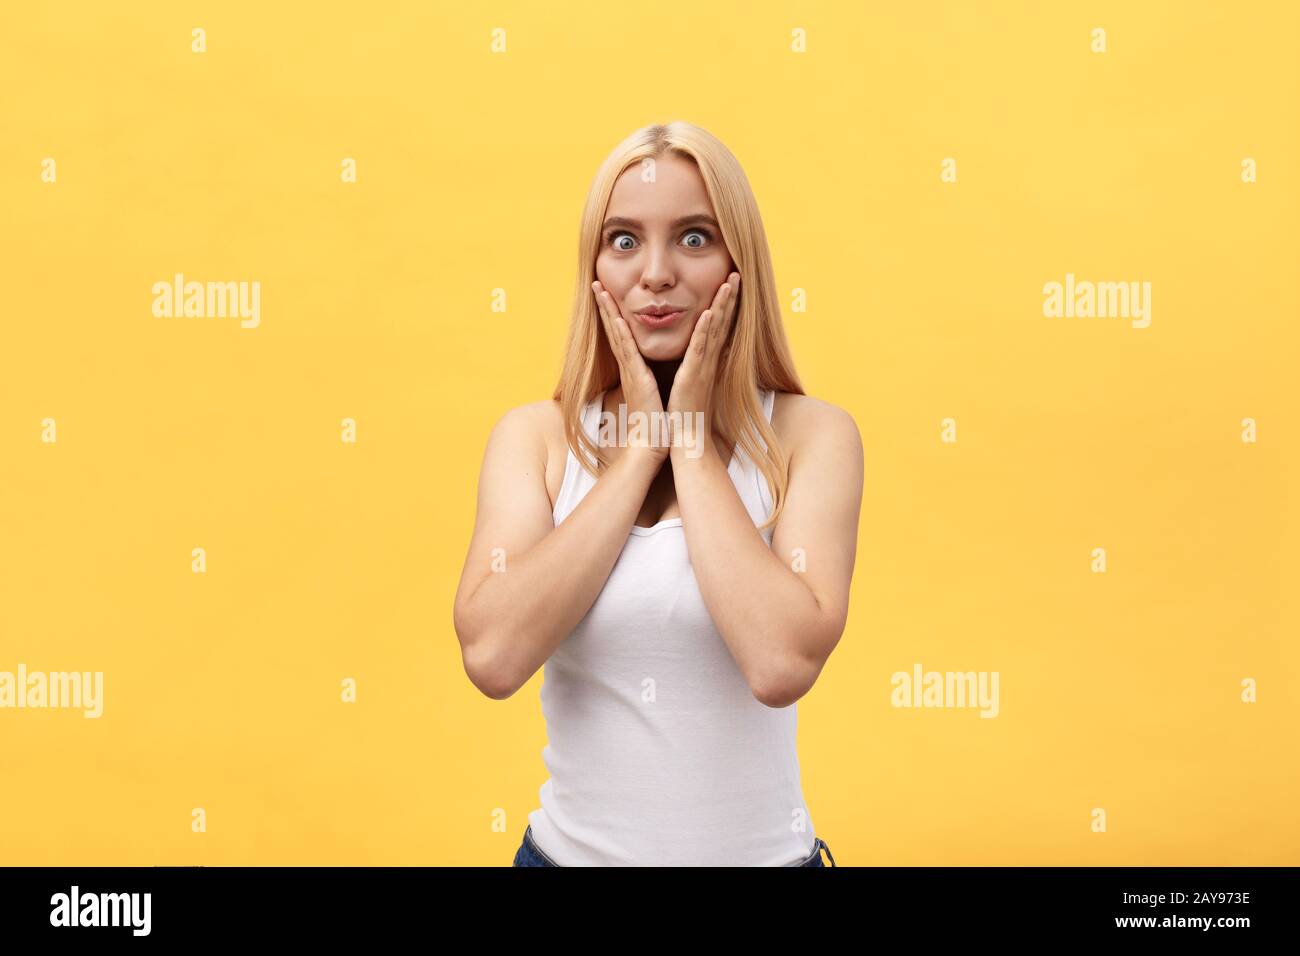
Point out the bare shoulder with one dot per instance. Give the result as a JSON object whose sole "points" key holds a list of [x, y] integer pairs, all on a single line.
{"points": [[801, 420], [549, 418], [532, 436], [549, 421], [526, 430], [523, 423]]}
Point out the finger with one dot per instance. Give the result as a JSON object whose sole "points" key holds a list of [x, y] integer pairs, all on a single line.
{"points": [[632, 368], [721, 306], [635, 361], [733, 302], [697, 349], [612, 334], [733, 309], [631, 351]]}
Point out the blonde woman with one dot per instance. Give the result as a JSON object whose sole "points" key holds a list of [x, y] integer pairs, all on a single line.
{"points": [[683, 585]]}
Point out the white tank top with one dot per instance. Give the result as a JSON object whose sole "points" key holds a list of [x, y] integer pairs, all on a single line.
{"points": [[658, 752]]}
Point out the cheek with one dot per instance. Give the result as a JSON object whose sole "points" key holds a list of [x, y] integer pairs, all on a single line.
{"points": [[682, 334], [609, 264], [707, 277], [614, 277]]}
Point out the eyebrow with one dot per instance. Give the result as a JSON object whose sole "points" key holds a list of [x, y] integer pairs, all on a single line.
{"points": [[675, 224]]}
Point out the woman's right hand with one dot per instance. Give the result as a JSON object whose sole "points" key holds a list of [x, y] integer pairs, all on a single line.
{"points": [[640, 389]]}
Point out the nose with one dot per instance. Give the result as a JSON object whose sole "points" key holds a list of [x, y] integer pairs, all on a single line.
{"points": [[658, 271]]}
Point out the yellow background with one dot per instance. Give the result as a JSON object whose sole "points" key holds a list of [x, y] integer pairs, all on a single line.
{"points": [[328, 560]]}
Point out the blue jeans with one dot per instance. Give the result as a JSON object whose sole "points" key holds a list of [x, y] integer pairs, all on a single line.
{"points": [[530, 854]]}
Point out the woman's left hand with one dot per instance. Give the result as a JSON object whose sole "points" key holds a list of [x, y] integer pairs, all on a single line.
{"points": [[692, 389]]}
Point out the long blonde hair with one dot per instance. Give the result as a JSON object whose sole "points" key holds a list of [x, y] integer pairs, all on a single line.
{"points": [[756, 355]]}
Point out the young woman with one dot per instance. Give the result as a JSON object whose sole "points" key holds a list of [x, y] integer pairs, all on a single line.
{"points": [[682, 594]]}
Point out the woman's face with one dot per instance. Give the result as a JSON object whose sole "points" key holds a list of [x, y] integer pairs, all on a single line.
{"points": [[660, 246]]}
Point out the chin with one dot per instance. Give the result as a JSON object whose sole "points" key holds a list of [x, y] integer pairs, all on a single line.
{"points": [[663, 351]]}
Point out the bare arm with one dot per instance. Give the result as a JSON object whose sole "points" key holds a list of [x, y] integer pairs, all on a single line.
{"points": [[527, 582], [781, 611]]}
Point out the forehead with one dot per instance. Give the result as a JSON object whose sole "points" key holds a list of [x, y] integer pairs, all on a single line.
{"points": [[677, 189]]}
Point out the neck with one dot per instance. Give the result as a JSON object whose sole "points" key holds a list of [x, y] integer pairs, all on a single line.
{"points": [[664, 372]]}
